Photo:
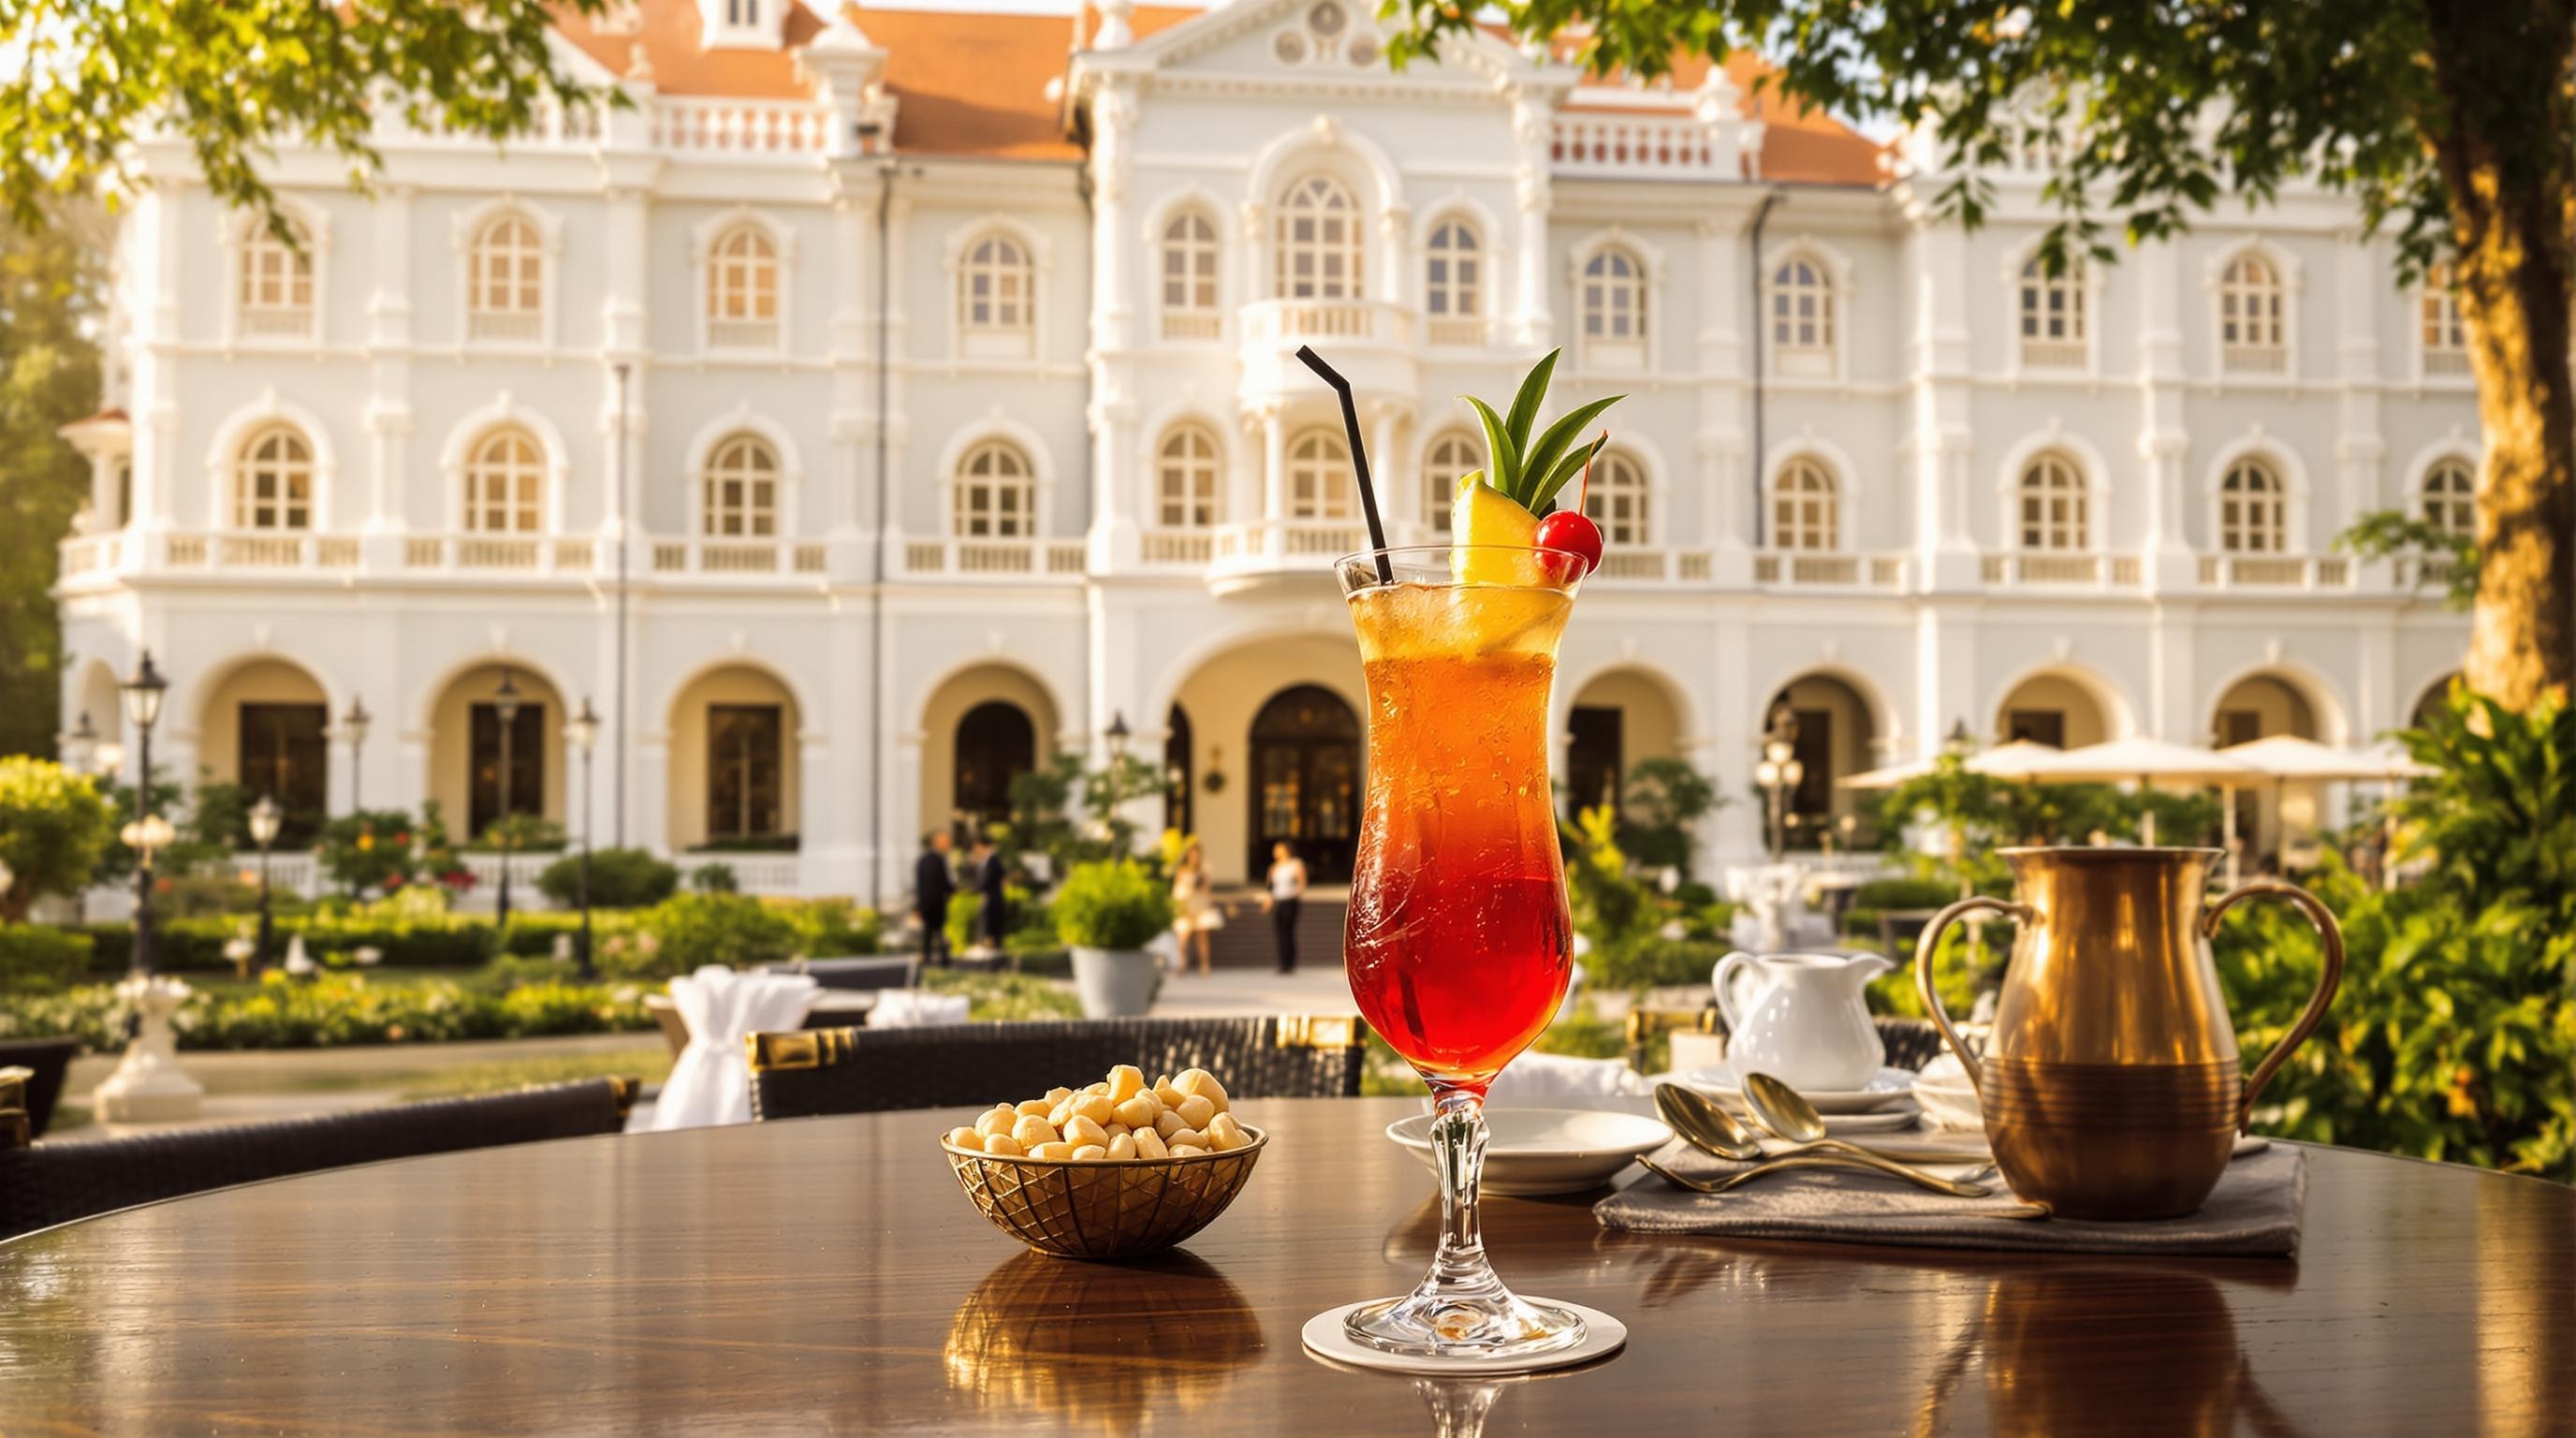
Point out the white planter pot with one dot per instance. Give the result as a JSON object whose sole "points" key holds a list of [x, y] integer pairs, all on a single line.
{"points": [[1115, 983]]}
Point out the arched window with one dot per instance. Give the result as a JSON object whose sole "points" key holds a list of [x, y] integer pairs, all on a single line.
{"points": [[505, 279], [2451, 497], [2253, 509], [2056, 505], [2252, 332], [2052, 315], [1319, 241], [1802, 317], [1451, 455], [273, 481], [742, 289], [1185, 474], [1613, 306], [505, 484], [276, 282], [1453, 284], [1319, 476], [1806, 510], [1619, 501], [741, 489], [996, 297], [997, 493], [2442, 339], [1189, 277]]}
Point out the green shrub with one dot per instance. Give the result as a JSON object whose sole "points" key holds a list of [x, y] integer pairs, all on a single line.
{"points": [[967, 907], [1883, 894], [38, 959], [999, 998], [832, 928], [688, 931], [55, 826], [1650, 962], [338, 1009], [619, 879], [715, 879], [1112, 904]]}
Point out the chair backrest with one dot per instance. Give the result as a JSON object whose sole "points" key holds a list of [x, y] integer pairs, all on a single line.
{"points": [[58, 1182], [46, 1061], [823, 1071], [888, 971]]}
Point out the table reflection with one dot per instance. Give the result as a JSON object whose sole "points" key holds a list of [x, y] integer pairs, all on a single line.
{"points": [[1100, 1345]]}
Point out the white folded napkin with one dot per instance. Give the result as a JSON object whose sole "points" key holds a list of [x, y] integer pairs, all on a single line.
{"points": [[914, 1009], [711, 1081]]}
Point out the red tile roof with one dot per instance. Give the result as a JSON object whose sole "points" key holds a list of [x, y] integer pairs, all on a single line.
{"points": [[977, 84]]}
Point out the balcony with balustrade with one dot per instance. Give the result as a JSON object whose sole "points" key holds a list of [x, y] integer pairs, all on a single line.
{"points": [[1242, 556], [1014, 559], [2331, 572], [2061, 570], [1372, 342], [1616, 145], [1802, 569], [95, 562]]}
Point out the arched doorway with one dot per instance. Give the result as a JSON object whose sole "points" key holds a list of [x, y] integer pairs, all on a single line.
{"points": [[2275, 821], [1834, 734], [264, 727], [466, 750], [734, 762], [1177, 772], [2054, 708], [2435, 698], [1306, 781], [1617, 719], [996, 744]]}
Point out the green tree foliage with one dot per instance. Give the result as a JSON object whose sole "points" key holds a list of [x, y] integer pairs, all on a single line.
{"points": [[2455, 1034], [231, 79], [54, 827], [2387, 533], [1663, 798], [619, 879], [49, 302], [2454, 124]]}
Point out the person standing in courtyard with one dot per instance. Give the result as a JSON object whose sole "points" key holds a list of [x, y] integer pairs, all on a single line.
{"points": [[933, 884], [1283, 896], [1195, 915], [993, 920]]}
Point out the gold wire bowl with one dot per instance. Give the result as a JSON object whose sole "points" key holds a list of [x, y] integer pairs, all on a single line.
{"points": [[1108, 1208]]}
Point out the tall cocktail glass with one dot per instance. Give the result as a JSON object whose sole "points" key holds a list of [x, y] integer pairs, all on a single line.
{"points": [[1459, 943]]}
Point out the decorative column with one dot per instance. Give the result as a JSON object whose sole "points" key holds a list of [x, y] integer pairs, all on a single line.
{"points": [[2164, 434], [1725, 480], [2361, 277], [154, 403], [1389, 468], [1533, 125], [1274, 482], [1115, 540], [1943, 438]]}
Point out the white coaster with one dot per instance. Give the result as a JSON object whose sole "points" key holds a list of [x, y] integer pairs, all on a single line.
{"points": [[1603, 1335]]}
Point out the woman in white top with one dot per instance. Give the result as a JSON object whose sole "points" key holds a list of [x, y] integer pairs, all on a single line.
{"points": [[1287, 885], [1195, 914]]}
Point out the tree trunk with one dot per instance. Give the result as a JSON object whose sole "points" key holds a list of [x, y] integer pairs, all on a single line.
{"points": [[2502, 148]]}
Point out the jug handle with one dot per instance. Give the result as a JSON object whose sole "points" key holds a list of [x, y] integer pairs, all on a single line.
{"points": [[1929, 944], [1720, 978], [2329, 939]]}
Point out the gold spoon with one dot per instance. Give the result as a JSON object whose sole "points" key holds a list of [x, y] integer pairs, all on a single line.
{"points": [[1707, 1126], [1819, 1160]]}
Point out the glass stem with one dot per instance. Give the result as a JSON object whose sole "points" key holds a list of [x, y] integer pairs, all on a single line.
{"points": [[1458, 1139]]}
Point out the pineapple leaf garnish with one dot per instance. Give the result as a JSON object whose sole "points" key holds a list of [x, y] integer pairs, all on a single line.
{"points": [[1532, 472]]}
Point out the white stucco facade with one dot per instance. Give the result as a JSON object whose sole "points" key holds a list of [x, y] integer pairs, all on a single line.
{"points": [[916, 460]]}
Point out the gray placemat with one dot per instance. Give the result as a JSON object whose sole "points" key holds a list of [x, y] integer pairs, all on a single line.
{"points": [[2254, 1211]]}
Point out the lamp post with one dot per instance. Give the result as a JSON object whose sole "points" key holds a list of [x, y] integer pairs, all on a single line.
{"points": [[353, 727], [1779, 772], [584, 733], [265, 817], [149, 831], [505, 708]]}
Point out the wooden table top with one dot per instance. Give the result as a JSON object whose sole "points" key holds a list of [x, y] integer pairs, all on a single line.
{"points": [[827, 1276]]}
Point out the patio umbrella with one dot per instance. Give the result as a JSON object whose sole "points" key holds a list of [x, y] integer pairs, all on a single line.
{"points": [[2004, 761], [2145, 760], [2286, 757]]}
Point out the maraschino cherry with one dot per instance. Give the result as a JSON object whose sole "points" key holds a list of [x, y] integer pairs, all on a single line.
{"points": [[1571, 529]]}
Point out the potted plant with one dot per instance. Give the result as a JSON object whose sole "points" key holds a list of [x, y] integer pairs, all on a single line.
{"points": [[1106, 913]]}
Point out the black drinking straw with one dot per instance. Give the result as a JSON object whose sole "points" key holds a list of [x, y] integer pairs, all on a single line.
{"points": [[1359, 459]]}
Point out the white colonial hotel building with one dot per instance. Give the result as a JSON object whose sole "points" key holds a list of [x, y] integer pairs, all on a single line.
{"points": [[960, 419]]}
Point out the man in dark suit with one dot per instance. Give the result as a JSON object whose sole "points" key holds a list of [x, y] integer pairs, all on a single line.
{"points": [[932, 886], [993, 923]]}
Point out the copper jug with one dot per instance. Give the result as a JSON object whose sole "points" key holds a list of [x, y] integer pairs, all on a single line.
{"points": [[2110, 1085]]}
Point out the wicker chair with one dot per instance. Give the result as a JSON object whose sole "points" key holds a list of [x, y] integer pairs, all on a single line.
{"points": [[58, 1182], [46, 1061], [828, 1071]]}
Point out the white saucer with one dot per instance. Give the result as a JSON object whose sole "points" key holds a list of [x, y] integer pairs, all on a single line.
{"points": [[1882, 1091], [1531, 1151], [1603, 1335]]}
